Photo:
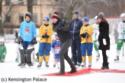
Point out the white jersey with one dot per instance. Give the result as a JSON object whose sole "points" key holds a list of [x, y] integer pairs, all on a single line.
{"points": [[57, 50], [96, 32], [121, 30]]}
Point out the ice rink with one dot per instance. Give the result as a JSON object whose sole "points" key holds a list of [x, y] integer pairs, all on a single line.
{"points": [[10, 69]]}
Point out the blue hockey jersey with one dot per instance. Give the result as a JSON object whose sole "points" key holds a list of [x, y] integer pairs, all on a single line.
{"points": [[27, 31]]}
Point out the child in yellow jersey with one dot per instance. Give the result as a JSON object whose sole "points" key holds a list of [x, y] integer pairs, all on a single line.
{"points": [[86, 42], [45, 33]]}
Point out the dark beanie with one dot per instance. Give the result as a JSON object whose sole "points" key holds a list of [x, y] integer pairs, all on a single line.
{"points": [[100, 17], [76, 12], [55, 15], [28, 14]]}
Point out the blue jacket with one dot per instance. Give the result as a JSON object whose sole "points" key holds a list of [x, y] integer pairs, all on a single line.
{"points": [[75, 26], [56, 43], [27, 31]]}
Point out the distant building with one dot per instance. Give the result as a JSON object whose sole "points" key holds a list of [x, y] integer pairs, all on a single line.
{"points": [[41, 8], [18, 8]]}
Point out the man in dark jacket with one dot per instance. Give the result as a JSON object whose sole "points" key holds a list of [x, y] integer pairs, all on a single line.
{"points": [[104, 40], [75, 27], [65, 38]]}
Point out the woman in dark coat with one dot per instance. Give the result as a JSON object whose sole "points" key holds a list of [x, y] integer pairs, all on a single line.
{"points": [[104, 40]]}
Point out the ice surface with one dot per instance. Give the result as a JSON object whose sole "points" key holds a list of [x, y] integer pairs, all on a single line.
{"points": [[10, 69]]}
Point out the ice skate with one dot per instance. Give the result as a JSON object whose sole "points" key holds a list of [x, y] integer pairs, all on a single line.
{"points": [[116, 59], [83, 65], [90, 65], [97, 57], [22, 65], [39, 65], [47, 65], [30, 64]]}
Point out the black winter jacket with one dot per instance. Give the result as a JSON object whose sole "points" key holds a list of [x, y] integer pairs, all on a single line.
{"points": [[62, 29], [75, 26], [104, 34]]}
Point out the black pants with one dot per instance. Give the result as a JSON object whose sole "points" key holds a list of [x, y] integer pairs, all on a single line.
{"points": [[26, 56], [101, 44], [105, 59], [64, 55], [76, 51]]}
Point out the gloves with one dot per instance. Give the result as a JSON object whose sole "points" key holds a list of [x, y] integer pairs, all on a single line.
{"points": [[85, 35], [45, 36], [20, 40], [33, 41], [104, 42]]}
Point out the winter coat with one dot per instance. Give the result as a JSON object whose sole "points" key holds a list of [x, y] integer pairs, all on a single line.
{"points": [[75, 26], [27, 31], [62, 29], [104, 35]]}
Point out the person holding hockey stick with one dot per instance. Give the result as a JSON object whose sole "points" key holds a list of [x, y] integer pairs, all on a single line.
{"points": [[45, 33], [121, 36], [27, 36]]}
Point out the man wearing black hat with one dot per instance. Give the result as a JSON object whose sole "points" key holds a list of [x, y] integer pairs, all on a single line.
{"points": [[75, 27], [65, 38]]}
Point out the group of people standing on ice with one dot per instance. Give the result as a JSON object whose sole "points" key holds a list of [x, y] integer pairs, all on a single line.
{"points": [[77, 33]]}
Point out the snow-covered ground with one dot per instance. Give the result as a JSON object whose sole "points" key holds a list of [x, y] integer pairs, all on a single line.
{"points": [[9, 69]]}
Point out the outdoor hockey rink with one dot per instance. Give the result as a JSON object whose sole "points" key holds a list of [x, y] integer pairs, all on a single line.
{"points": [[10, 69]]}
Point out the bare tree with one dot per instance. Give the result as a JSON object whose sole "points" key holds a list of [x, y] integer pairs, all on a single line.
{"points": [[92, 7], [3, 20], [70, 6], [1, 16], [30, 6]]}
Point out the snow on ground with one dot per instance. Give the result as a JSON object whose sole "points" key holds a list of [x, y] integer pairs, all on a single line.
{"points": [[9, 69]]}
